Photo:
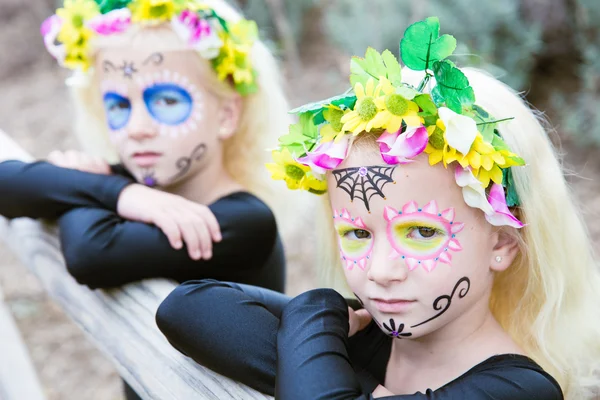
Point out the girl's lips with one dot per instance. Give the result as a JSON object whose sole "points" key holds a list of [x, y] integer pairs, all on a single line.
{"points": [[146, 159], [392, 306]]}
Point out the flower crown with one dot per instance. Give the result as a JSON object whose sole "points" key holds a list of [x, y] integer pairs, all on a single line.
{"points": [[68, 33], [445, 123]]}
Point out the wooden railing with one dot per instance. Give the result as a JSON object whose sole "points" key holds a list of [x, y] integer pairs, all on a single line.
{"points": [[120, 322]]}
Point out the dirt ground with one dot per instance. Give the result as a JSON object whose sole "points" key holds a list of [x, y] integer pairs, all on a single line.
{"points": [[34, 110]]}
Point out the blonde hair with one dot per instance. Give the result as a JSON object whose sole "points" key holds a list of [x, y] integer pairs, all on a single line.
{"points": [[263, 119], [548, 300]]}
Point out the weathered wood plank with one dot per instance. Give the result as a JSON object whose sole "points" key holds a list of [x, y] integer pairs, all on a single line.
{"points": [[18, 379], [120, 322]]}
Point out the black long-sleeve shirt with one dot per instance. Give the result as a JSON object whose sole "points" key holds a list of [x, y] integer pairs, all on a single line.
{"points": [[299, 348], [102, 249]]}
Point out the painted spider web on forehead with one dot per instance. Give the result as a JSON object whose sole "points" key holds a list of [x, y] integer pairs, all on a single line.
{"points": [[364, 182]]}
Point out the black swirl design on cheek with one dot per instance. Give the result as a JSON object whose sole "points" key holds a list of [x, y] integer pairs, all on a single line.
{"points": [[184, 163], [448, 299], [364, 182]]}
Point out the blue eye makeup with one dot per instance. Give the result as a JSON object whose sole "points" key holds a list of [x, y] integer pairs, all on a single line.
{"points": [[118, 110], [168, 103]]}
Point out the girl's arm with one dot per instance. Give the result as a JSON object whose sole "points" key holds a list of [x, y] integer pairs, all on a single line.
{"points": [[103, 250], [313, 362], [43, 190]]}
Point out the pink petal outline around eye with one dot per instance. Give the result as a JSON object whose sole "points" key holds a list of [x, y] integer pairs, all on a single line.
{"points": [[502, 215], [400, 148], [350, 261], [389, 213], [430, 212]]}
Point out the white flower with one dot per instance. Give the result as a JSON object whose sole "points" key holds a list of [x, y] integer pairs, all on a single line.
{"points": [[472, 190], [460, 130]]}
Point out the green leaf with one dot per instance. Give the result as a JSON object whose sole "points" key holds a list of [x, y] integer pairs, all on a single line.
{"points": [[109, 5], [426, 104], [512, 197], [437, 97], [407, 92], [422, 44], [393, 69], [500, 144], [301, 137], [346, 100], [453, 86], [482, 119], [375, 65]]}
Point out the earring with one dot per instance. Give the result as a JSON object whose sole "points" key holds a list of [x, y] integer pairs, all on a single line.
{"points": [[498, 258]]}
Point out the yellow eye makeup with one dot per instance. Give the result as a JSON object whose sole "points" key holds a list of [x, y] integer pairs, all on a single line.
{"points": [[355, 241], [422, 236]]}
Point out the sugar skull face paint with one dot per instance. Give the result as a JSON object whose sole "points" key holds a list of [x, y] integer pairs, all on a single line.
{"points": [[422, 236], [355, 241], [172, 101]]}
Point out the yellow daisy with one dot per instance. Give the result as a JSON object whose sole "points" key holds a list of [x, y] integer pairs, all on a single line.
{"points": [[73, 15], [314, 185], [437, 147], [153, 10], [77, 54], [366, 115], [333, 130], [234, 59], [287, 169], [396, 108]]}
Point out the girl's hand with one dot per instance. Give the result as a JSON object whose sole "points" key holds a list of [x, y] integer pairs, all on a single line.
{"points": [[180, 220], [358, 320], [80, 161]]}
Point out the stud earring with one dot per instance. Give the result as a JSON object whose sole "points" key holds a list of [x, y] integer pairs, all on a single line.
{"points": [[498, 258]]}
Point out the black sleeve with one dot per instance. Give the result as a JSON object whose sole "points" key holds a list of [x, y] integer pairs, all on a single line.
{"points": [[227, 327], [103, 250], [43, 190], [313, 361]]}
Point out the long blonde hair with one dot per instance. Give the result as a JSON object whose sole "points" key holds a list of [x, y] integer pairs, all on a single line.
{"points": [[264, 118], [549, 298]]}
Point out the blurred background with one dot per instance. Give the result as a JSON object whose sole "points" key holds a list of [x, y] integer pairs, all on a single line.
{"points": [[547, 49]]}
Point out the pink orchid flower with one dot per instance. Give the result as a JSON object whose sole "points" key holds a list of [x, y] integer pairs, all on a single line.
{"points": [[115, 21], [400, 148], [327, 156], [502, 215]]}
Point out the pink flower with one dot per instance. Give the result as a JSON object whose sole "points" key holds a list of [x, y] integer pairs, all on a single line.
{"points": [[49, 30], [327, 156], [198, 33], [400, 148], [502, 215], [115, 21]]}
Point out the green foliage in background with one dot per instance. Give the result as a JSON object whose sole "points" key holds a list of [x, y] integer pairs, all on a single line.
{"points": [[580, 111], [492, 35]]}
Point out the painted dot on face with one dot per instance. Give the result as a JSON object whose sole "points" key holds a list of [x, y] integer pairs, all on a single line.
{"points": [[355, 241], [422, 236]]}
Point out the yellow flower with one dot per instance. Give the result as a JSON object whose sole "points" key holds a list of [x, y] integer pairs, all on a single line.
{"points": [[314, 185], [487, 162], [437, 147], [234, 59], [366, 115], [77, 54], [396, 108], [73, 15], [154, 10], [333, 130], [287, 169]]}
